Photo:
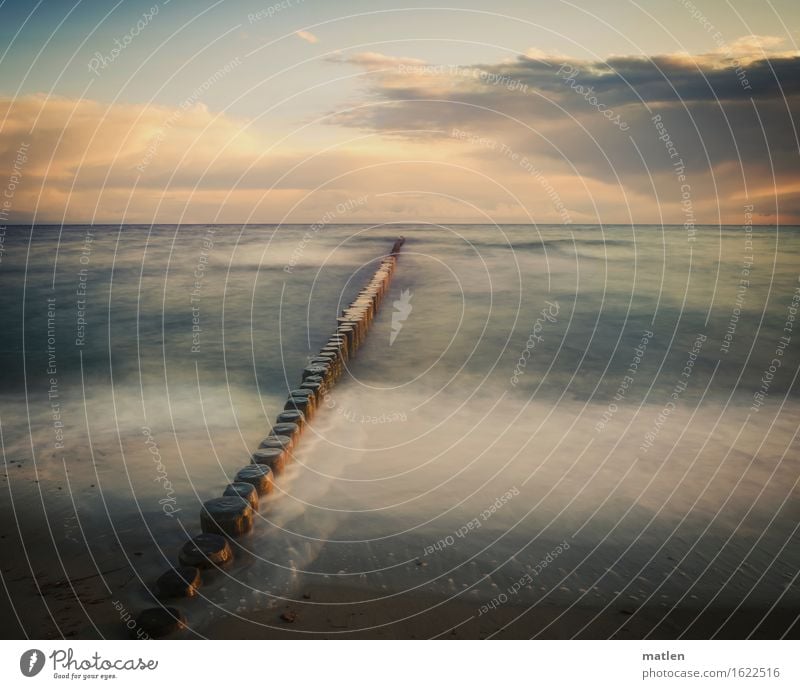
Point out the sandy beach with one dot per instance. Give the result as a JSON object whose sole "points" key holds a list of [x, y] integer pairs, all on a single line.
{"points": [[63, 586]]}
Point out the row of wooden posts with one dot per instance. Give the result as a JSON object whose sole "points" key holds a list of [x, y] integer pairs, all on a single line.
{"points": [[231, 516]]}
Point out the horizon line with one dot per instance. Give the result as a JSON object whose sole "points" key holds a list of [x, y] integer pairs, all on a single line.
{"points": [[394, 222]]}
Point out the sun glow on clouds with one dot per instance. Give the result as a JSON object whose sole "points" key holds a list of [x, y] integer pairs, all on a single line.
{"points": [[535, 148], [307, 36]]}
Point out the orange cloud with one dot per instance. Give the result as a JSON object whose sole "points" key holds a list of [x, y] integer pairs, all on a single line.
{"points": [[555, 112], [306, 36], [530, 148]]}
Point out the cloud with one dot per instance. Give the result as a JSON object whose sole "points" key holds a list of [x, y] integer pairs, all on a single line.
{"points": [[372, 60], [307, 36], [90, 161], [731, 116], [524, 139]]}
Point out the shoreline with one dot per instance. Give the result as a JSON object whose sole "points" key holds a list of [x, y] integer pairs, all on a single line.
{"points": [[92, 605]]}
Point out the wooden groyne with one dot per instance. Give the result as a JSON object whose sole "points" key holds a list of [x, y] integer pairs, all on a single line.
{"points": [[232, 515]]}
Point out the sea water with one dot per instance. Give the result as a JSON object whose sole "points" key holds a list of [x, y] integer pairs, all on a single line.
{"points": [[582, 415]]}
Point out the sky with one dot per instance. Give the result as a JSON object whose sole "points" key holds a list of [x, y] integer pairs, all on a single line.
{"points": [[284, 111]]}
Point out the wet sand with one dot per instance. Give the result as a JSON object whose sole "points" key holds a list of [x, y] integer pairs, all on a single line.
{"points": [[341, 613], [67, 594]]}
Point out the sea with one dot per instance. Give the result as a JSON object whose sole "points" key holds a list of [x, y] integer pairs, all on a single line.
{"points": [[578, 415]]}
